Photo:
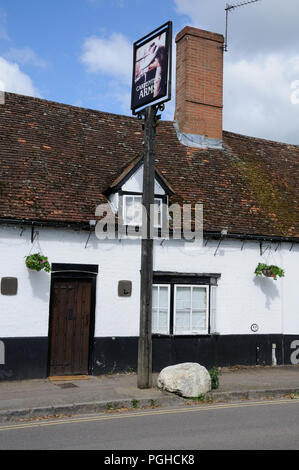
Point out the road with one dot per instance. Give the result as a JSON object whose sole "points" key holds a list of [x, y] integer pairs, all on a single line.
{"points": [[264, 425]]}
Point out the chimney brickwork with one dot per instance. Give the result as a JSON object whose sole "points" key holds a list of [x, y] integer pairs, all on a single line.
{"points": [[199, 83]]}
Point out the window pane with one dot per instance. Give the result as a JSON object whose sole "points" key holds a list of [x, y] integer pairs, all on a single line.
{"points": [[199, 298], [160, 310], [163, 320], [155, 320], [199, 305], [129, 201], [199, 320], [183, 298], [163, 297], [138, 210], [133, 210], [157, 212], [182, 322], [155, 302], [129, 209], [182, 309]]}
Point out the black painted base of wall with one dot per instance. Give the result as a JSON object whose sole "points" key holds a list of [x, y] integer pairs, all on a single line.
{"points": [[27, 358], [120, 354]]}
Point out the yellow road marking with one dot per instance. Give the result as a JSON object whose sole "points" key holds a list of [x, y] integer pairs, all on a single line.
{"points": [[132, 414]]}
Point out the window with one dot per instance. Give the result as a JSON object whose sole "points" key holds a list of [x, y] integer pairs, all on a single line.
{"points": [[132, 210], [161, 305], [191, 310], [181, 307]]}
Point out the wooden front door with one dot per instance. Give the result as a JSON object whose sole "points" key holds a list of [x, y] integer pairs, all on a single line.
{"points": [[70, 326]]}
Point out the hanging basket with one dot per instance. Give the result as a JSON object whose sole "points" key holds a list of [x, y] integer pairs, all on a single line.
{"points": [[269, 271], [38, 262]]}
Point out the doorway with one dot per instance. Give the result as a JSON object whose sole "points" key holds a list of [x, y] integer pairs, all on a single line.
{"points": [[71, 324]]}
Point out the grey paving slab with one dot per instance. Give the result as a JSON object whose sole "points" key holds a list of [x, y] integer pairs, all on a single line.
{"points": [[33, 398]]}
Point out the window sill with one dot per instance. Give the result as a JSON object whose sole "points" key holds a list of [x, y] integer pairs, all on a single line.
{"points": [[188, 335]]}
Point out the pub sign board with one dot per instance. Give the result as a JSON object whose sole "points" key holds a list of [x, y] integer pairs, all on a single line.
{"points": [[152, 58]]}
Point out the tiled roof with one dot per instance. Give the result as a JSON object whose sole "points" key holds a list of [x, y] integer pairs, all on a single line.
{"points": [[57, 160]]}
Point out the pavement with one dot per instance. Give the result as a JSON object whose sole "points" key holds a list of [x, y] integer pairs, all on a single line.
{"points": [[60, 397]]}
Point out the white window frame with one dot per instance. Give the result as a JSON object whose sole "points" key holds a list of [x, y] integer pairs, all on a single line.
{"points": [[124, 202], [213, 309], [168, 310], [191, 331], [160, 201], [125, 196]]}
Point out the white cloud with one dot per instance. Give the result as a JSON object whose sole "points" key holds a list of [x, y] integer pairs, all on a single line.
{"points": [[260, 67], [12, 79], [111, 57], [258, 98], [264, 26], [16, 81], [25, 56]]}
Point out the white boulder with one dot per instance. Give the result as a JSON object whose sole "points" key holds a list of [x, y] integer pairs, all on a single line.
{"points": [[187, 380]]}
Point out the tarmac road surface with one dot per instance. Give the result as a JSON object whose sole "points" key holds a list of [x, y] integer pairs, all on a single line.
{"points": [[262, 425]]}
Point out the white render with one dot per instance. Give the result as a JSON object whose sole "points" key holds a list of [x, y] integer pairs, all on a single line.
{"points": [[242, 299], [188, 380]]}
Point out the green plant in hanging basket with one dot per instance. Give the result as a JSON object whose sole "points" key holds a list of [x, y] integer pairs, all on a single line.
{"points": [[38, 262], [269, 271]]}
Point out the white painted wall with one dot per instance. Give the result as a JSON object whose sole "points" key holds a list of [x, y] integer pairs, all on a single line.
{"points": [[242, 299], [27, 314]]}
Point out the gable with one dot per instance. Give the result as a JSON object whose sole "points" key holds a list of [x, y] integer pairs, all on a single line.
{"points": [[135, 183], [131, 180]]}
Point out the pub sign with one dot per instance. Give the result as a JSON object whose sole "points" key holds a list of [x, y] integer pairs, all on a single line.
{"points": [[152, 68]]}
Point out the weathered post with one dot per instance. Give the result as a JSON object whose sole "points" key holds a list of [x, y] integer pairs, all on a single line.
{"points": [[145, 336]]}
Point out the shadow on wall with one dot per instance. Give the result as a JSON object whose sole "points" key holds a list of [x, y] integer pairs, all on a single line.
{"points": [[268, 288], [40, 284]]}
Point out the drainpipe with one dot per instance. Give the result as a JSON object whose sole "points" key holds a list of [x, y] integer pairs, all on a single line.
{"points": [[274, 360]]}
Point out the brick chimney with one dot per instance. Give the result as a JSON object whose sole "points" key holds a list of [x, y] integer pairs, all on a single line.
{"points": [[199, 86]]}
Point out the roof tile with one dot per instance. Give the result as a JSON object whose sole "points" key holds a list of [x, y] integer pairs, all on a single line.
{"points": [[58, 160]]}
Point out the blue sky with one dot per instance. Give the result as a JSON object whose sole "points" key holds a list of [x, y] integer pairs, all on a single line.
{"points": [[56, 30], [79, 52]]}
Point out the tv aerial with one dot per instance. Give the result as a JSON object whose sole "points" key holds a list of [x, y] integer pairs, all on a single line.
{"points": [[230, 8]]}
